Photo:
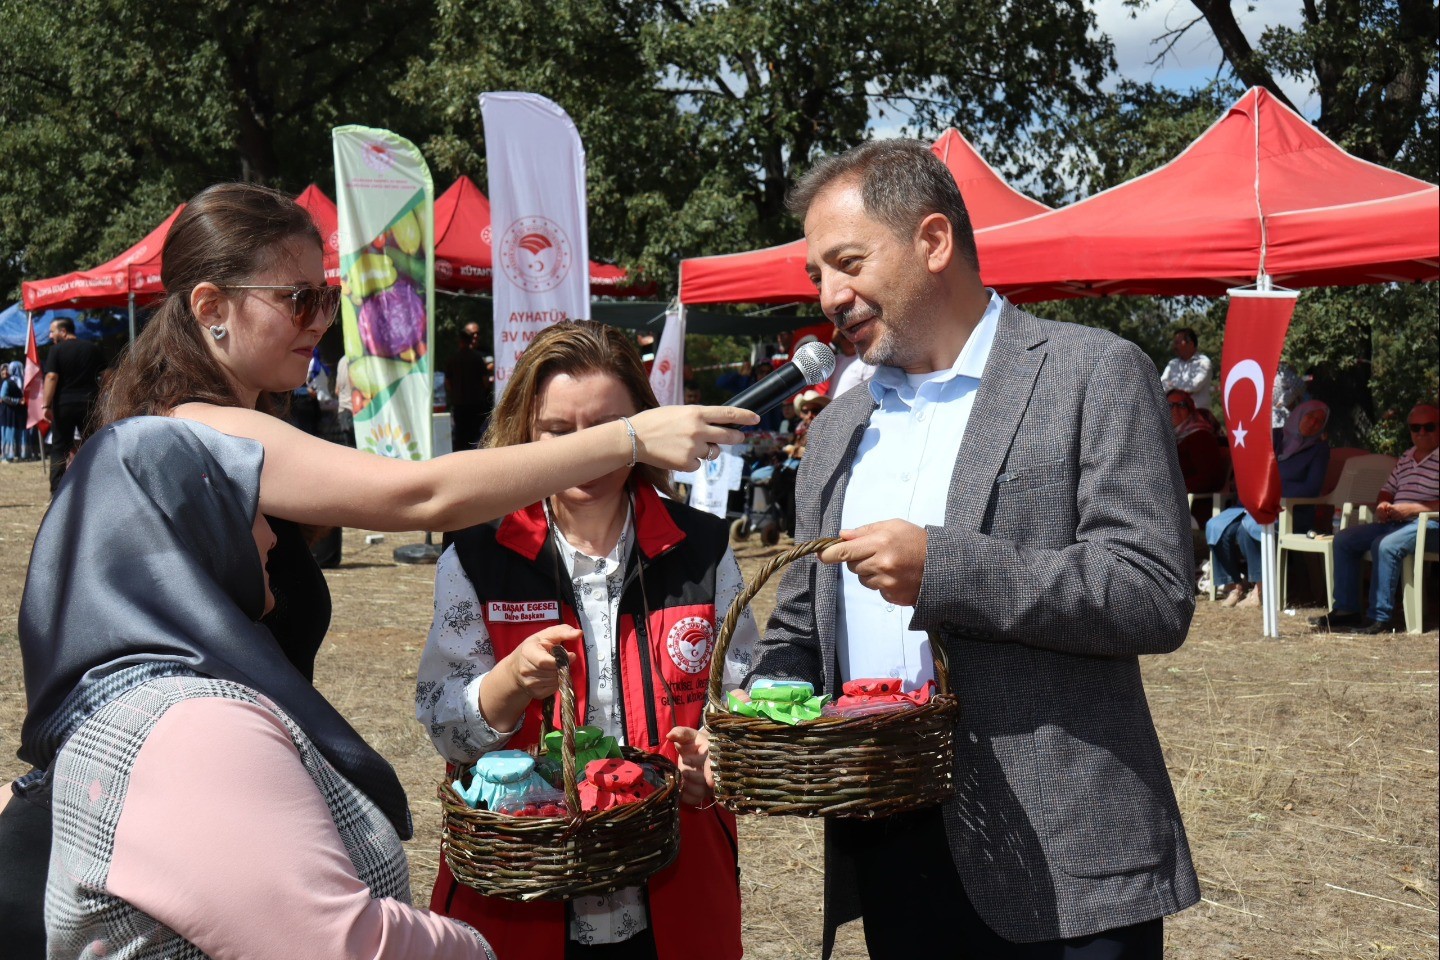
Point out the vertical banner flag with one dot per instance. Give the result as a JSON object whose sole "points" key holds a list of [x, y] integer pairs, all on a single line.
{"points": [[1255, 330], [667, 375], [32, 384], [537, 221], [386, 203]]}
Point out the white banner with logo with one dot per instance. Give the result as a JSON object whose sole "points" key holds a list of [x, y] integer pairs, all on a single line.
{"points": [[667, 374], [537, 217]]}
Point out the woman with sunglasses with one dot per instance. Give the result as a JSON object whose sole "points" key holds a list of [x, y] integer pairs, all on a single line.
{"points": [[633, 584], [246, 302], [1204, 463]]}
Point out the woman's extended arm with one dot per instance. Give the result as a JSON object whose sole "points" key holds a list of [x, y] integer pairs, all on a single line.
{"points": [[461, 489]]}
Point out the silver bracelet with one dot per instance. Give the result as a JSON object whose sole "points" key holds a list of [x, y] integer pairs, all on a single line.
{"points": [[634, 442]]}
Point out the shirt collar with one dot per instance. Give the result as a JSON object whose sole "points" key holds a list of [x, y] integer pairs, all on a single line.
{"points": [[970, 363], [617, 558]]}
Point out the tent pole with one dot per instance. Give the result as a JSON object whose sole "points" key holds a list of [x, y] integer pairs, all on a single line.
{"points": [[132, 317], [1270, 592]]}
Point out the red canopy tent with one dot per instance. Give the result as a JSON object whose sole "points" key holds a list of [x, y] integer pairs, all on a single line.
{"points": [[1261, 191], [463, 256], [136, 272], [327, 219], [132, 277], [777, 274]]}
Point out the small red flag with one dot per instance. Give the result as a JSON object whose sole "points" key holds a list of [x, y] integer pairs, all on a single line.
{"points": [[33, 385], [1255, 330]]}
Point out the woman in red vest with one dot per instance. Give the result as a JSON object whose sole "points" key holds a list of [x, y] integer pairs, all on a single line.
{"points": [[633, 584]]}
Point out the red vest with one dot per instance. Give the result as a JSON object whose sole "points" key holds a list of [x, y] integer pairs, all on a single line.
{"points": [[664, 638]]}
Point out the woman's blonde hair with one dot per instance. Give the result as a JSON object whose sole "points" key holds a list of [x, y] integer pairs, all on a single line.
{"points": [[576, 348]]}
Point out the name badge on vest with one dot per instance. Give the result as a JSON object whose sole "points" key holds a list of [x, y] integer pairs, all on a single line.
{"points": [[526, 612]]}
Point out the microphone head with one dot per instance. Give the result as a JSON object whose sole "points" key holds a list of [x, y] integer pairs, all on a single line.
{"points": [[815, 360]]}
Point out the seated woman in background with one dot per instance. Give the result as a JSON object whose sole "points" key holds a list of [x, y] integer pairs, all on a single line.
{"points": [[1304, 454], [1204, 463], [634, 582], [246, 303]]}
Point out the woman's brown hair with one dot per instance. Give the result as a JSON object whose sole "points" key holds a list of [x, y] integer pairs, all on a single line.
{"points": [[573, 347], [226, 234]]}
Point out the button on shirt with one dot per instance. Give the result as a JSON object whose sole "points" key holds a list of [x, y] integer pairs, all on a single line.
{"points": [[902, 470]]}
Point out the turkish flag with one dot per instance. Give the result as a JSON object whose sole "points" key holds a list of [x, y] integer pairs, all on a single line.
{"points": [[33, 385], [1255, 330]]}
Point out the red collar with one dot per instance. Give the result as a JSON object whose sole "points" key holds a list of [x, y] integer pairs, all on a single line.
{"points": [[656, 532]]}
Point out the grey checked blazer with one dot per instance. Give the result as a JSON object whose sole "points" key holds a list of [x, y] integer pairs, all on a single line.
{"points": [[1065, 555]]}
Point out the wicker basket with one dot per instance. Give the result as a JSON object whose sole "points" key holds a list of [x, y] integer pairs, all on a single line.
{"points": [[559, 858], [871, 766]]}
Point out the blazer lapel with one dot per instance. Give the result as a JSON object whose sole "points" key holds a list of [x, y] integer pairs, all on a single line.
{"points": [[1005, 389]]}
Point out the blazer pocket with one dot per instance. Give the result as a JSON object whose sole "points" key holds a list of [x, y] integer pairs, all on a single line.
{"points": [[1101, 818], [1031, 476]]}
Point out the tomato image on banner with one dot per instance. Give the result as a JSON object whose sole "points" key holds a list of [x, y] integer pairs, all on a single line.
{"points": [[1255, 329]]}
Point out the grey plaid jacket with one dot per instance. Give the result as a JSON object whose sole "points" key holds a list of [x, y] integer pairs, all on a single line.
{"points": [[1065, 555]]}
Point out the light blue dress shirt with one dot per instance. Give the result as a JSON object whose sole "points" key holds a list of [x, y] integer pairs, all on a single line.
{"points": [[902, 470]]}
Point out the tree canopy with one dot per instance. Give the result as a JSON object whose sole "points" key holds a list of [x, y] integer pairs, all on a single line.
{"points": [[697, 115]]}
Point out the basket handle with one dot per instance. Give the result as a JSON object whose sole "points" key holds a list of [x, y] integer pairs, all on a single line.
{"points": [[732, 617], [567, 730], [771, 567]]}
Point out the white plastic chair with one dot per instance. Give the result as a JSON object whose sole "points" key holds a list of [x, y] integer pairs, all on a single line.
{"points": [[1353, 498], [1413, 576]]}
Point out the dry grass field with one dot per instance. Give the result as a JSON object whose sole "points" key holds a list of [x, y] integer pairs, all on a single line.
{"points": [[1305, 766]]}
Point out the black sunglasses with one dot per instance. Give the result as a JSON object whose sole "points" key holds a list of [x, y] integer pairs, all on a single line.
{"points": [[306, 301], [1422, 428]]}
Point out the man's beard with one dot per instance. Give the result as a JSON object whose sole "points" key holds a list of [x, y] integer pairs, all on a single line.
{"points": [[882, 350]]}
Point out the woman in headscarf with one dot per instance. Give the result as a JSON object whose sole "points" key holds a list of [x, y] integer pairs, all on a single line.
{"points": [[12, 412], [1234, 536], [205, 796], [246, 302], [634, 584]]}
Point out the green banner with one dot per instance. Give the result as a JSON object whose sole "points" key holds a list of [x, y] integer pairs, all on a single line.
{"points": [[386, 203]]}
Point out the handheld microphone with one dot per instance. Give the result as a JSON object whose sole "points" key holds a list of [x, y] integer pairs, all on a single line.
{"points": [[812, 363]]}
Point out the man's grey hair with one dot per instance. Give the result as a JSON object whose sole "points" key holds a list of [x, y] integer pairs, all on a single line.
{"points": [[901, 183]]}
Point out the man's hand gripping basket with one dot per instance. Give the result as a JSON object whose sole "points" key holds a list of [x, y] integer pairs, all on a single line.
{"points": [[871, 766]]}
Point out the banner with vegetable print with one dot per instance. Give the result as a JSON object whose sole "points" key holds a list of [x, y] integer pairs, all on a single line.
{"points": [[386, 203]]}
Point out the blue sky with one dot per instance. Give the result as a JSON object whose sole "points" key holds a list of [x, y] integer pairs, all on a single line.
{"points": [[1194, 60]]}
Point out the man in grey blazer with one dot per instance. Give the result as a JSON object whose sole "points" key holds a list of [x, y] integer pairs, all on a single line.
{"points": [[1008, 485]]}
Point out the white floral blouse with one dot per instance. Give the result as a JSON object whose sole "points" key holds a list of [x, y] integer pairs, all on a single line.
{"points": [[458, 654]]}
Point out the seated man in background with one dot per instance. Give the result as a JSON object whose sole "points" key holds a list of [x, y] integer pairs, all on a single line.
{"points": [[1189, 370], [1413, 488]]}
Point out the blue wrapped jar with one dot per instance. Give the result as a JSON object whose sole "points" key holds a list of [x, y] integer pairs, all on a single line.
{"points": [[498, 775]]}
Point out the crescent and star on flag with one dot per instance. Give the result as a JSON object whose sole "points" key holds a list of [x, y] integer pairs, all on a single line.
{"points": [[1244, 370]]}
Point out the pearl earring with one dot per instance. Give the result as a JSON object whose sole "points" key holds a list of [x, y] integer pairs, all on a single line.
{"points": [[218, 331]]}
